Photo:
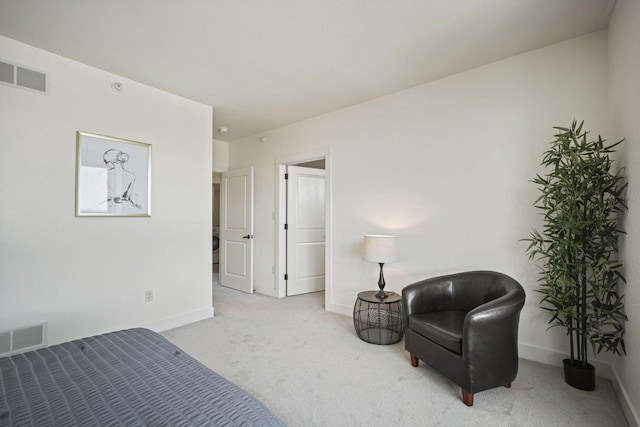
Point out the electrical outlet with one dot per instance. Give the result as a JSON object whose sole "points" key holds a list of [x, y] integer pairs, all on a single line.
{"points": [[148, 296]]}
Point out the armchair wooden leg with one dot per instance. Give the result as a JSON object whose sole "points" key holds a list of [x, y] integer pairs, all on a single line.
{"points": [[467, 398], [508, 385], [414, 360]]}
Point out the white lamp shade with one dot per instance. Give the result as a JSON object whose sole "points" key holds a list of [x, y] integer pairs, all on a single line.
{"points": [[379, 248]]}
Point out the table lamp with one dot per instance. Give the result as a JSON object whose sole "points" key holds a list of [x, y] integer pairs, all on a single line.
{"points": [[380, 249]]}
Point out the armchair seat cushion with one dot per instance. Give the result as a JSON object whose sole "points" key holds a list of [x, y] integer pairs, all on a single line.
{"points": [[442, 327]]}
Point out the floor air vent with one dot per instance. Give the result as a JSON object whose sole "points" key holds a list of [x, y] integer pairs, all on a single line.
{"points": [[22, 339], [26, 78]]}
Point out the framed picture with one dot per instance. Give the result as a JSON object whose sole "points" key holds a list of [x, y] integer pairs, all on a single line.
{"points": [[113, 176]]}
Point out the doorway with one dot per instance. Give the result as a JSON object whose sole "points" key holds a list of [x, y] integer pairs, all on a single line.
{"points": [[215, 231], [215, 220], [305, 227], [319, 160], [236, 229]]}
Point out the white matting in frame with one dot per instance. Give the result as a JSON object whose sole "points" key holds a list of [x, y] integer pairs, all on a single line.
{"points": [[113, 176]]}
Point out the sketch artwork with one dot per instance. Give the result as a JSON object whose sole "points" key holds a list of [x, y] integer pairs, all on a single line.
{"points": [[120, 181], [113, 176]]}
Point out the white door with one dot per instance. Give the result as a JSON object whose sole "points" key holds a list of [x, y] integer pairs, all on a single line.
{"points": [[305, 230], [236, 230]]}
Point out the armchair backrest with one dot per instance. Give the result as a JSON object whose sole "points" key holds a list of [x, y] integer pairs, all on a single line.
{"points": [[474, 288], [459, 292]]}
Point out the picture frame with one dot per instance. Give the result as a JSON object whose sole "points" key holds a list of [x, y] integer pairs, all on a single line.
{"points": [[113, 176]]}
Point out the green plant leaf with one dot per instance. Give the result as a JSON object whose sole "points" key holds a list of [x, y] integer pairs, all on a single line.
{"points": [[575, 251]]}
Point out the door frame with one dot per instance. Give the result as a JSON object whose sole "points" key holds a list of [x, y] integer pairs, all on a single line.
{"points": [[280, 262]]}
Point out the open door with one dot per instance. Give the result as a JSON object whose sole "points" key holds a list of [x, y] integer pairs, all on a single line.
{"points": [[236, 230], [305, 230]]}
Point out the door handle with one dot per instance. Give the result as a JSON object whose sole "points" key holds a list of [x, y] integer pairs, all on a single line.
{"points": [[248, 236]]}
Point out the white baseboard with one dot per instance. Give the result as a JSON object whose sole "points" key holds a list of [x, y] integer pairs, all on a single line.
{"points": [[345, 310], [177, 321], [554, 358], [625, 401]]}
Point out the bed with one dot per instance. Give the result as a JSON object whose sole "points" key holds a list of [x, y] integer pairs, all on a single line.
{"points": [[133, 377]]}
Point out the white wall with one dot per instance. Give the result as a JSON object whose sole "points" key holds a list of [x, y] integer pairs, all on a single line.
{"points": [[88, 275], [446, 167], [220, 156], [624, 51]]}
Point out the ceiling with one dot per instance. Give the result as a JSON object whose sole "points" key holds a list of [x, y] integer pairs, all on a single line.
{"points": [[265, 64]]}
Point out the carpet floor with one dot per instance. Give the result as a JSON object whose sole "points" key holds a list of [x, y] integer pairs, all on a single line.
{"points": [[309, 367]]}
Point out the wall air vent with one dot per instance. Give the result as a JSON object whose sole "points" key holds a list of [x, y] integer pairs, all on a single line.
{"points": [[25, 78], [22, 339]]}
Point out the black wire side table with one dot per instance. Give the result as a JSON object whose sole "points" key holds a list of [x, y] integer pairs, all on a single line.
{"points": [[379, 320]]}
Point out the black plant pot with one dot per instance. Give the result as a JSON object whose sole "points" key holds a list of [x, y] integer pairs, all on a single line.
{"points": [[578, 376]]}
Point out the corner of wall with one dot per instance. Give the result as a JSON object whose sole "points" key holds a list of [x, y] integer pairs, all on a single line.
{"points": [[633, 418], [177, 321]]}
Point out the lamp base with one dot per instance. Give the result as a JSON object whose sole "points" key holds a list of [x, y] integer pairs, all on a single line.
{"points": [[382, 294]]}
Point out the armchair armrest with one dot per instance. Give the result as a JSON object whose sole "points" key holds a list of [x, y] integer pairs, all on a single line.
{"points": [[490, 341]]}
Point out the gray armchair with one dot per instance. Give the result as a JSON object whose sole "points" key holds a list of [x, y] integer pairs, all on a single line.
{"points": [[465, 325]]}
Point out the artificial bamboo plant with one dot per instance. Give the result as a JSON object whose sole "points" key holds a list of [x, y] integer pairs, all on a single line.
{"points": [[577, 249]]}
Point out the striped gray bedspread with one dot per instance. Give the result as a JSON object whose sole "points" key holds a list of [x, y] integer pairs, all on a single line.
{"points": [[133, 377]]}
